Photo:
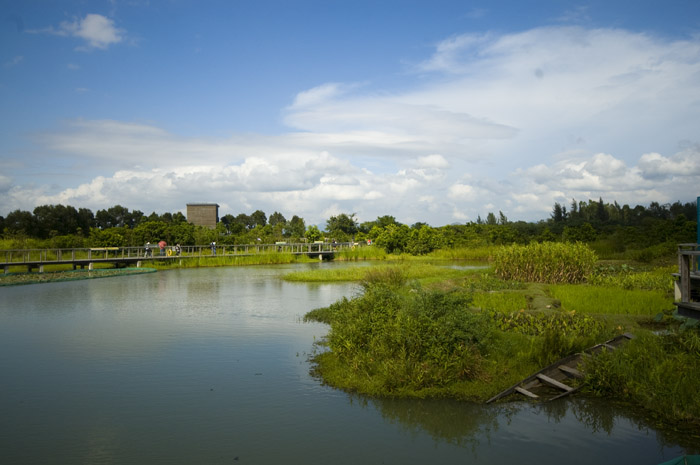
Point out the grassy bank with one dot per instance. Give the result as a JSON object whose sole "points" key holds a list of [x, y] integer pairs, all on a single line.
{"points": [[469, 335], [267, 258], [13, 279], [409, 270]]}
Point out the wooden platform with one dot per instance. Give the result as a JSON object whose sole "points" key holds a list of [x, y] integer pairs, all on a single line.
{"points": [[687, 281], [688, 309], [554, 381]]}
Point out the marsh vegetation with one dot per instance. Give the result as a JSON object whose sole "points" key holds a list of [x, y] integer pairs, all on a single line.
{"points": [[436, 331]]}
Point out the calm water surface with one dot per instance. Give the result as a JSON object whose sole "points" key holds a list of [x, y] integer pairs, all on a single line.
{"points": [[210, 366]]}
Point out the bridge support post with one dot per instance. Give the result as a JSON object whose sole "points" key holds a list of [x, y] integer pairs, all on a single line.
{"points": [[138, 264], [90, 266]]}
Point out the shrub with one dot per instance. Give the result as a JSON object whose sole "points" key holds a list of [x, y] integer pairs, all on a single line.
{"points": [[548, 262], [659, 372], [392, 343]]}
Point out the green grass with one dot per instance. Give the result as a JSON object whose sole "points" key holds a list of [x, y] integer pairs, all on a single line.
{"points": [[361, 253], [13, 279], [474, 254], [268, 258], [500, 301], [411, 271], [604, 300], [659, 372]]}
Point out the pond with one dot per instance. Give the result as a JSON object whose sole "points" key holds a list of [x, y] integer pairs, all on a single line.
{"points": [[210, 366]]}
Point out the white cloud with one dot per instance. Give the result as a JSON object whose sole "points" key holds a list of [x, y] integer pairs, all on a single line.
{"points": [[685, 164], [14, 62], [510, 122], [96, 30]]}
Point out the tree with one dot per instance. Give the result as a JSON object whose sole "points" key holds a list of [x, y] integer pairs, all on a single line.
{"points": [[21, 222], [277, 218], [56, 220], [258, 218], [557, 215], [295, 227], [118, 216], [491, 218], [313, 234], [423, 240], [342, 227], [243, 221], [601, 212], [394, 238], [583, 233]]}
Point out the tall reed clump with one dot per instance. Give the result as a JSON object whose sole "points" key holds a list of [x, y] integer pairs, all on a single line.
{"points": [[548, 262], [394, 341], [659, 372]]}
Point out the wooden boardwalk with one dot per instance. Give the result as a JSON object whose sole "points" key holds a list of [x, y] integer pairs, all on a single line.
{"points": [[688, 281], [32, 259], [554, 381]]}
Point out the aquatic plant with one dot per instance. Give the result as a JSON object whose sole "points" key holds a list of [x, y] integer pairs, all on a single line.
{"points": [[548, 262], [626, 277], [391, 343], [660, 372]]}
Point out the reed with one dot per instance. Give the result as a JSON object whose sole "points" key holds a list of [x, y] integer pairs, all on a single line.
{"points": [[626, 277], [660, 373], [475, 254], [410, 270], [548, 262], [267, 258]]}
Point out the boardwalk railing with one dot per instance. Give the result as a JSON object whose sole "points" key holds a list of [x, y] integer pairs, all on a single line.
{"points": [[688, 281], [81, 257]]}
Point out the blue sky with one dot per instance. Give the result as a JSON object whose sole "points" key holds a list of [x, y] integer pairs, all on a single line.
{"points": [[435, 111]]}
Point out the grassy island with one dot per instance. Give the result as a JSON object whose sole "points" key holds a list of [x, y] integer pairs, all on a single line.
{"points": [[431, 331]]}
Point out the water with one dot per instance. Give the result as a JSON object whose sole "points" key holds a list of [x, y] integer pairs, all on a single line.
{"points": [[210, 366]]}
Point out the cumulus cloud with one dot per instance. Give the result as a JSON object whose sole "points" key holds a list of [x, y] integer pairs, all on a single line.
{"points": [[96, 30], [14, 62], [511, 122], [685, 164]]}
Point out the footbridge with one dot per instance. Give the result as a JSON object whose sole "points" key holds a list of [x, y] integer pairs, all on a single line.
{"points": [[37, 259]]}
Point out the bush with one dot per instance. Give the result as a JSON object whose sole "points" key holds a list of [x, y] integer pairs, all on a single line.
{"points": [[548, 262], [660, 373], [393, 343]]}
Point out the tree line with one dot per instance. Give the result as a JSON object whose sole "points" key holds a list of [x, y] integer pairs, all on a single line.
{"points": [[608, 227]]}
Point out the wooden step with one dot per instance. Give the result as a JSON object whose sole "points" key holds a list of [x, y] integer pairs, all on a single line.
{"points": [[527, 393], [571, 371], [554, 382]]}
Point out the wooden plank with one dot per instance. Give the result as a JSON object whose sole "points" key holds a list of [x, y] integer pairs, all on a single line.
{"points": [[689, 309], [571, 371], [554, 382], [527, 393], [609, 347]]}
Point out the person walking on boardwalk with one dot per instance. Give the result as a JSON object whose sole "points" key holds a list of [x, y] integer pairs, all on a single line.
{"points": [[213, 248], [147, 251]]}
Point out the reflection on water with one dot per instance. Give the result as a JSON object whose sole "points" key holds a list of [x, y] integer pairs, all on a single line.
{"points": [[210, 366]]}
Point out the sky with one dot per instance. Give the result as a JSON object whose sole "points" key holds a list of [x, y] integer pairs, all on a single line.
{"points": [[429, 111]]}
